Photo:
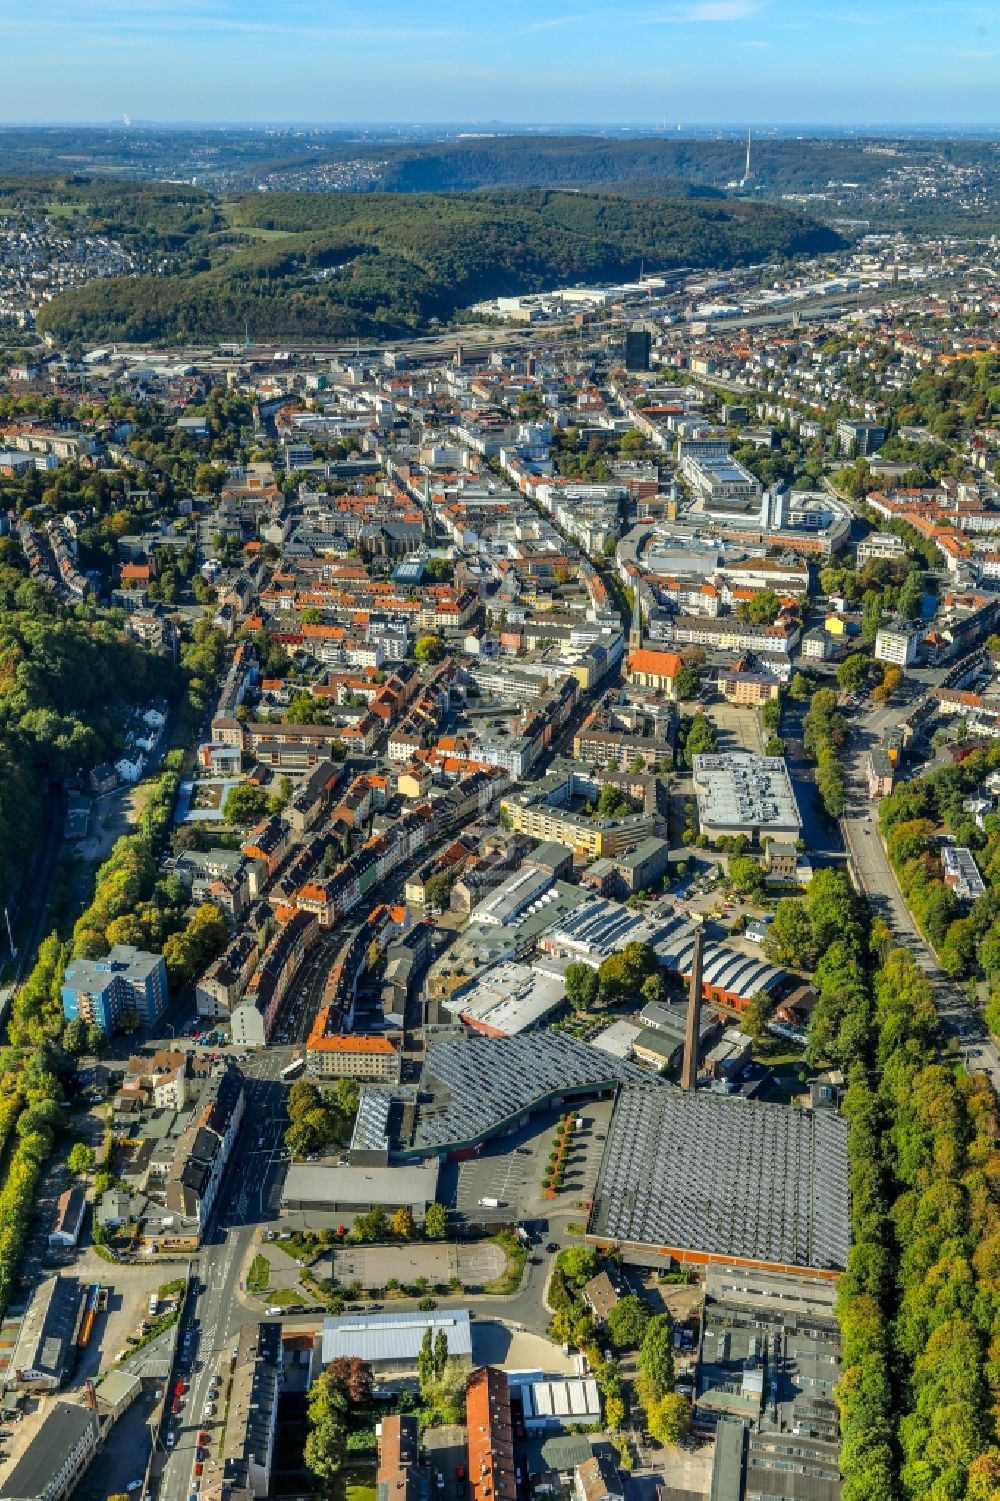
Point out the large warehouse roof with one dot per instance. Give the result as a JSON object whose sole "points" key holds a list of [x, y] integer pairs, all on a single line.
{"points": [[342, 1187], [478, 1084], [395, 1338], [721, 1175]]}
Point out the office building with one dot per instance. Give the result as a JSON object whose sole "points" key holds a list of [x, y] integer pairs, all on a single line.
{"points": [[859, 438], [879, 546], [638, 344]]}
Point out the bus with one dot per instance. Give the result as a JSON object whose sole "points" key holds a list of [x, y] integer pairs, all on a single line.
{"points": [[293, 1069]]}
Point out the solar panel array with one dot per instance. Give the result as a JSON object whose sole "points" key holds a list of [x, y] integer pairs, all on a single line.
{"points": [[478, 1083], [371, 1125], [599, 927], [721, 1174]]}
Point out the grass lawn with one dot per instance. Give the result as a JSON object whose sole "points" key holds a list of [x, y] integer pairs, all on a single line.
{"points": [[359, 1493], [286, 1297], [259, 1275], [777, 1052], [517, 1257]]}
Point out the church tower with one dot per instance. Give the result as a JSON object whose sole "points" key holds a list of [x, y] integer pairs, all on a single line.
{"points": [[635, 631]]}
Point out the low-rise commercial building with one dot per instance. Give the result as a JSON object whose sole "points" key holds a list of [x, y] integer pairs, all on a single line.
{"points": [[354, 1190], [391, 1342], [46, 1340], [743, 794], [507, 999]]}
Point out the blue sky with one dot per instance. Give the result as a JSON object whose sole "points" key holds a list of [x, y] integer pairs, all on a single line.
{"points": [[545, 61]]}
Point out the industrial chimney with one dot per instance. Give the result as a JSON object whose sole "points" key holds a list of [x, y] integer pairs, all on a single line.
{"points": [[689, 1068]]}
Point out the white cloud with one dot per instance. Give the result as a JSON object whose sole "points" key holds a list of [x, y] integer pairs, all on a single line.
{"points": [[551, 24], [722, 10]]}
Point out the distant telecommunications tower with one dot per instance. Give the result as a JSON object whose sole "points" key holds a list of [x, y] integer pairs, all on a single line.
{"points": [[748, 177]]}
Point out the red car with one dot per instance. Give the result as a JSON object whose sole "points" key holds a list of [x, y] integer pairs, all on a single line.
{"points": [[199, 1468], [459, 1472], [203, 1437]]}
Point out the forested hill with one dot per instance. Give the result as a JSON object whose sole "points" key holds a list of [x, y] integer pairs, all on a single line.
{"points": [[559, 162], [668, 166], [339, 265]]}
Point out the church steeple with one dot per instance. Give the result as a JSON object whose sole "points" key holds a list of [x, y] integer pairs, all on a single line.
{"points": [[635, 632], [428, 512]]}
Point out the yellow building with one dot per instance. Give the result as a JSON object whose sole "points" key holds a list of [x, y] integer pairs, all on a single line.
{"points": [[585, 836]]}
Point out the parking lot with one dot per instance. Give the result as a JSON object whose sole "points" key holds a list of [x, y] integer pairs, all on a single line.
{"points": [[511, 1170], [123, 1458], [446, 1456], [499, 1344]]}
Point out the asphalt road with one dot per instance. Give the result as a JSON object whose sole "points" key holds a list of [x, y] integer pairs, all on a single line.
{"points": [[961, 1019], [216, 1311]]}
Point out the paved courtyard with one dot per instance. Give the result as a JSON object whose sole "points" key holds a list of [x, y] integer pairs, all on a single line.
{"points": [[739, 728], [517, 1349], [374, 1265]]}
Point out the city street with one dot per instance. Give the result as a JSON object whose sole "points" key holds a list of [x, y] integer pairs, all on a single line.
{"points": [[216, 1310]]}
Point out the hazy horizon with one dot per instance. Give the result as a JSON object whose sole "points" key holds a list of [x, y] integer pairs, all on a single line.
{"points": [[888, 65]]}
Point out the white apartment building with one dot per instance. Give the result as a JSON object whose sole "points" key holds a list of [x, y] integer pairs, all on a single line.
{"points": [[897, 644]]}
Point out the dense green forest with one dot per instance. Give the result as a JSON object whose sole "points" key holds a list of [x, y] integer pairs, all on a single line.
{"points": [[343, 265], [916, 818], [644, 164], [919, 1303], [66, 681]]}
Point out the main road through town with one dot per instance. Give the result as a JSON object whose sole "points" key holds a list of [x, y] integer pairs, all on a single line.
{"points": [[215, 1310]]}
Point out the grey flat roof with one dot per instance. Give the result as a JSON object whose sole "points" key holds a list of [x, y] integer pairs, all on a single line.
{"points": [[724, 1175], [387, 1337], [741, 791], [729, 1460], [312, 1182]]}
